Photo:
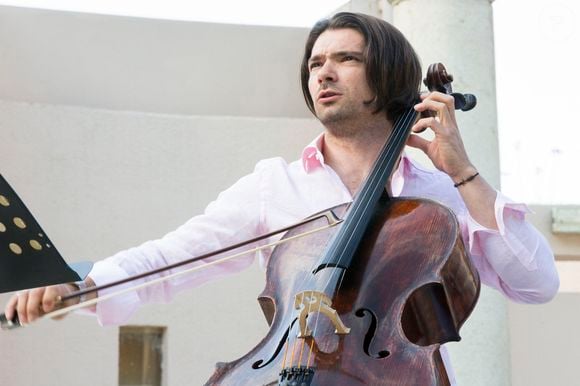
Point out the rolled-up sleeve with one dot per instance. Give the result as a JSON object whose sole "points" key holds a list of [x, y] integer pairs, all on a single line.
{"points": [[514, 259]]}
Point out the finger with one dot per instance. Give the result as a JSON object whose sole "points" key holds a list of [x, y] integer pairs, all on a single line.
{"points": [[424, 123], [52, 299], [34, 303], [418, 142], [49, 299], [433, 105], [10, 309], [443, 104], [21, 307], [448, 99]]}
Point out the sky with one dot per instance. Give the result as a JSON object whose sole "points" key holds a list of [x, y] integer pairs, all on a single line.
{"points": [[299, 13], [537, 81], [537, 85]]}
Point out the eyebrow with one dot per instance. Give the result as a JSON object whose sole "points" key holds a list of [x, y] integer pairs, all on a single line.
{"points": [[337, 54]]}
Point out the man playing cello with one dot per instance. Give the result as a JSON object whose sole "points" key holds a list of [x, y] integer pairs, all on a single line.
{"points": [[358, 73]]}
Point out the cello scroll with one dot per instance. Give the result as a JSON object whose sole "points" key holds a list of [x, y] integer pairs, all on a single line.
{"points": [[438, 79]]}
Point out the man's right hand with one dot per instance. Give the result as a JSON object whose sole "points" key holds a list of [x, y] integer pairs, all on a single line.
{"points": [[32, 304]]}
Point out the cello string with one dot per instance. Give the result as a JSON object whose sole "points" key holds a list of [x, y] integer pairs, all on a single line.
{"points": [[285, 352], [307, 281], [292, 356], [304, 279], [311, 345], [396, 133], [301, 353], [399, 131]]}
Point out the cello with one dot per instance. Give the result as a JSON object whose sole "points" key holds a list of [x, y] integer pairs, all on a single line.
{"points": [[368, 302]]}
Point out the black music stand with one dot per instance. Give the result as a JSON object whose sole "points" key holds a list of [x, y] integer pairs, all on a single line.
{"points": [[28, 259]]}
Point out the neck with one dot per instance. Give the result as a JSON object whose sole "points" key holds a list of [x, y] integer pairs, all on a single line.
{"points": [[353, 156]]}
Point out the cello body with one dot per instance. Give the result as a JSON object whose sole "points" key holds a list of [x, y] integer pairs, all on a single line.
{"points": [[409, 290]]}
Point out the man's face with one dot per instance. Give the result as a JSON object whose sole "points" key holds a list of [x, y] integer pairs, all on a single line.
{"points": [[338, 84]]}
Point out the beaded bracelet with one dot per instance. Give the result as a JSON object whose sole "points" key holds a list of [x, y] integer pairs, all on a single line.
{"points": [[465, 181]]}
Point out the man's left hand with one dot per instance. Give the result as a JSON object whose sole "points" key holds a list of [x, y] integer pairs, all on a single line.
{"points": [[446, 150]]}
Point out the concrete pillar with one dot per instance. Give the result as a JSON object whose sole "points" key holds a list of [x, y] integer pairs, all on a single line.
{"points": [[459, 33], [378, 8]]}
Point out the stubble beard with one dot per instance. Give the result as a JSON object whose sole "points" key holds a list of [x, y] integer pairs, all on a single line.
{"points": [[340, 121], [349, 123]]}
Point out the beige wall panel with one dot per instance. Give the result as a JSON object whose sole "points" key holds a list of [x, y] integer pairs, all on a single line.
{"points": [[545, 344], [161, 66]]}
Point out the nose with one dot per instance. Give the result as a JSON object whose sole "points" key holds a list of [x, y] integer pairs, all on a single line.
{"points": [[327, 73]]}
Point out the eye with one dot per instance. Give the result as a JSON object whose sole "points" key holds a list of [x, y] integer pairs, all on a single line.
{"points": [[347, 58], [313, 65]]}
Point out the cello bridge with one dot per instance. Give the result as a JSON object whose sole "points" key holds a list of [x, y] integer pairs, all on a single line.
{"points": [[314, 301]]}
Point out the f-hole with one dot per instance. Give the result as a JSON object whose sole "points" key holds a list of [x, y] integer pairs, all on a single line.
{"points": [[261, 364], [370, 334]]}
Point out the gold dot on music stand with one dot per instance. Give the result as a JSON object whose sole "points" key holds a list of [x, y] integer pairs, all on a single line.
{"points": [[35, 244], [19, 222], [15, 248], [2, 227], [4, 201]]}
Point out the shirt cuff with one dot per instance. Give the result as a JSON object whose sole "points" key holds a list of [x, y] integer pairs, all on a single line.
{"points": [[118, 309], [508, 215]]}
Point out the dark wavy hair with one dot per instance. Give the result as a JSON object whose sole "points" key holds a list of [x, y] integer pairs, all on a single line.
{"points": [[393, 69]]}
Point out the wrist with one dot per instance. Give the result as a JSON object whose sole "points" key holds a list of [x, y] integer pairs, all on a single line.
{"points": [[466, 180], [463, 173], [76, 287], [81, 286]]}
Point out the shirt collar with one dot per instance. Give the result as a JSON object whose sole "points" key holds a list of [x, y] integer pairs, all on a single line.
{"points": [[312, 159]]}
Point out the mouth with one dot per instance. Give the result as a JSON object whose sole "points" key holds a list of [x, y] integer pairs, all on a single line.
{"points": [[327, 96]]}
